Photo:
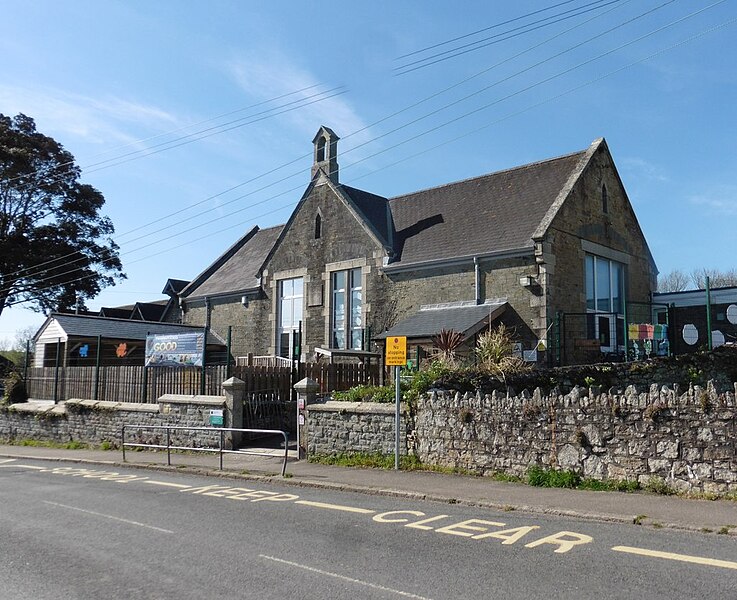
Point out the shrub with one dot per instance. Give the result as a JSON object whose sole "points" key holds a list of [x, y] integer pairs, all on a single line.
{"points": [[447, 342], [366, 393], [539, 477], [15, 389], [494, 353]]}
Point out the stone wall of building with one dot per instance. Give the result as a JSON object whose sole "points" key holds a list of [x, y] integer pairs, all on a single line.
{"points": [[688, 438], [97, 422], [367, 427]]}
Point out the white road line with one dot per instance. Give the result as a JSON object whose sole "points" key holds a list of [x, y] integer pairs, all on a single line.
{"points": [[90, 512], [25, 467], [7, 460], [351, 509], [167, 484], [699, 560], [375, 586]]}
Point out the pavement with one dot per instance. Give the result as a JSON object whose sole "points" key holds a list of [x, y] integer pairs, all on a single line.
{"points": [[645, 509]]}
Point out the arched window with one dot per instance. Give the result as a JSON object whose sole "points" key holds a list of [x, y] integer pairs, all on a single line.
{"points": [[604, 199], [321, 149], [318, 227]]}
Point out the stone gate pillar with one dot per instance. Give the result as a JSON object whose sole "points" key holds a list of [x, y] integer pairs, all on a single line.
{"points": [[306, 394], [235, 392]]}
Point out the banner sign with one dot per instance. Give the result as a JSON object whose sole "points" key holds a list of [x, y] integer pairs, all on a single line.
{"points": [[178, 350]]}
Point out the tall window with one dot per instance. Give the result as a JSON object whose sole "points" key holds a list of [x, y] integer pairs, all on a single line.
{"points": [[604, 295], [291, 298], [347, 301]]}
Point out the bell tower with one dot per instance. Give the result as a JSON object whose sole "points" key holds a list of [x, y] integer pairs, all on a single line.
{"points": [[326, 153]]}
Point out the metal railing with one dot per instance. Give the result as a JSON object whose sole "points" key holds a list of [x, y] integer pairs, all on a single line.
{"points": [[221, 449]]}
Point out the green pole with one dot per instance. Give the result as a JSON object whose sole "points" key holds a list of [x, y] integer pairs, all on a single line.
{"points": [[626, 329], [97, 368], [708, 315], [558, 350], [145, 374], [203, 373], [227, 355], [25, 362], [56, 371]]}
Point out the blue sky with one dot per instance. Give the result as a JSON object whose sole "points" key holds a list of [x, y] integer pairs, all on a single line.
{"points": [[114, 81]]}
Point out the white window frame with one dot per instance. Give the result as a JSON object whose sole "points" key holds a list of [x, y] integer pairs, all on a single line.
{"points": [[604, 316], [351, 331], [290, 326]]}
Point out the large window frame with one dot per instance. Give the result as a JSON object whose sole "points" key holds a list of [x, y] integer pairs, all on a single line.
{"points": [[605, 286], [346, 309], [290, 310]]}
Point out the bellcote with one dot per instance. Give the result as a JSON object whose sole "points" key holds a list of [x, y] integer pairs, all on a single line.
{"points": [[326, 153]]}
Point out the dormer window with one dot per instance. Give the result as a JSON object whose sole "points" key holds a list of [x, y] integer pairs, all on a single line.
{"points": [[318, 227], [604, 199]]}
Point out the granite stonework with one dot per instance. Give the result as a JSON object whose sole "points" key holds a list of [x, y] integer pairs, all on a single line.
{"points": [[351, 427], [97, 422], [686, 438]]}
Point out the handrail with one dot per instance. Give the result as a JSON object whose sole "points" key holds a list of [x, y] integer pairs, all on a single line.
{"points": [[221, 449]]}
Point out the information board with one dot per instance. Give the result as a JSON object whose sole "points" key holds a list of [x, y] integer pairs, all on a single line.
{"points": [[181, 350]]}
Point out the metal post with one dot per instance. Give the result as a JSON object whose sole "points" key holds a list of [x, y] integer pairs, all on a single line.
{"points": [[56, 371], [626, 328], [145, 374], [168, 446], [96, 389], [122, 441], [227, 355], [221, 449], [397, 416], [25, 363], [203, 374], [558, 351], [708, 315]]}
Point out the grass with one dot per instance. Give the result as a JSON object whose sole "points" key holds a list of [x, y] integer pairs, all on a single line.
{"points": [[71, 445]]}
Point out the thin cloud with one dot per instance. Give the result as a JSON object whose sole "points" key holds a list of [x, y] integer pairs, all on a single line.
{"points": [[105, 120], [722, 200], [643, 169], [274, 76]]}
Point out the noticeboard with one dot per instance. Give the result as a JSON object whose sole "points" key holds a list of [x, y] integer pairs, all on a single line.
{"points": [[180, 350], [396, 351]]}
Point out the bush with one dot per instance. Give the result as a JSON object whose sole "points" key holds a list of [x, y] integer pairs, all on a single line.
{"points": [[366, 393], [15, 389], [539, 477]]}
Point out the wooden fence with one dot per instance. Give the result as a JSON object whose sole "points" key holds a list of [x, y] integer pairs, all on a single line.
{"points": [[126, 383]]}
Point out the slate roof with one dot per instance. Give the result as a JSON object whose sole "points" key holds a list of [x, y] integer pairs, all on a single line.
{"points": [[375, 209], [151, 311], [90, 326], [236, 270], [117, 312], [489, 214], [464, 317]]}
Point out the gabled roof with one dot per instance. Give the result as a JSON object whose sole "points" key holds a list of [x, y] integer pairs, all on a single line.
{"points": [[150, 311], [464, 317], [117, 312], [237, 269], [174, 286], [89, 327], [482, 216]]}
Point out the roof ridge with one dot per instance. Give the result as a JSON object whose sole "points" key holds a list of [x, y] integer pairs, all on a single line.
{"points": [[508, 170]]}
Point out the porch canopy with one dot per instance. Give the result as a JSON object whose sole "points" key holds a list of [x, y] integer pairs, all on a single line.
{"points": [[467, 318]]}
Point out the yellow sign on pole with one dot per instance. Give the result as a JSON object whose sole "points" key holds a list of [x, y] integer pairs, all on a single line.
{"points": [[396, 351]]}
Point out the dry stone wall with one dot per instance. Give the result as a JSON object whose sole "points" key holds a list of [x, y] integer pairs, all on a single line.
{"points": [[96, 422], [686, 438]]}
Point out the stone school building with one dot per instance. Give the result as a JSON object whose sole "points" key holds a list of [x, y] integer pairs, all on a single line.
{"points": [[350, 267]]}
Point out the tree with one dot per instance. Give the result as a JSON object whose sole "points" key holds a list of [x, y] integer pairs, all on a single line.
{"points": [[55, 246], [675, 281], [716, 278]]}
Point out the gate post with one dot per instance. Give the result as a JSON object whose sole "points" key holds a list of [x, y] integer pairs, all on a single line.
{"points": [[235, 392], [306, 394]]}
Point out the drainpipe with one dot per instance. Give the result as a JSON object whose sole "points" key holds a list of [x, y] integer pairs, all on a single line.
{"points": [[207, 312], [477, 278]]}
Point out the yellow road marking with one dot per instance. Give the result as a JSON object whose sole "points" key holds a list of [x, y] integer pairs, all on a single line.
{"points": [[96, 514], [699, 560], [363, 511], [375, 586], [167, 484]]}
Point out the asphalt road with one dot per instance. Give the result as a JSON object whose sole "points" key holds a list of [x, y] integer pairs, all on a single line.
{"points": [[79, 532]]}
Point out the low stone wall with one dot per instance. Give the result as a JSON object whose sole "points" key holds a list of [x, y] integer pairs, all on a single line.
{"points": [[336, 427], [688, 439], [97, 422]]}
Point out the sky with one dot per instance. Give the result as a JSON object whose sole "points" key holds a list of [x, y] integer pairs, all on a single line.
{"points": [[195, 119]]}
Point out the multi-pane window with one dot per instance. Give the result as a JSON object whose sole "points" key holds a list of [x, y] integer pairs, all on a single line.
{"points": [[347, 302], [291, 298], [604, 294]]}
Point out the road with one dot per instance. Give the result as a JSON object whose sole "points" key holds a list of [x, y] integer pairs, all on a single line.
{"points": [[84, 532]]}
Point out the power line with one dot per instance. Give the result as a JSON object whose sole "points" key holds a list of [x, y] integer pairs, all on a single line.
{"points": [[475, 130], [521, 30], [434, 112]]}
